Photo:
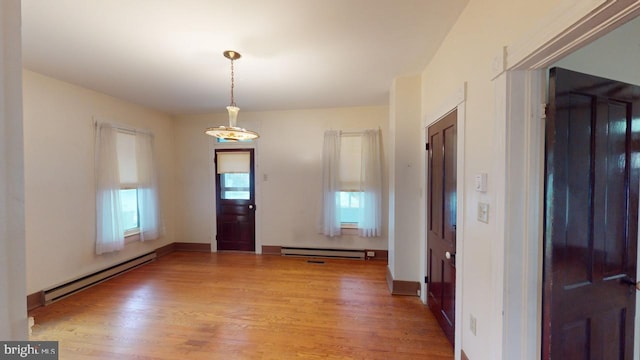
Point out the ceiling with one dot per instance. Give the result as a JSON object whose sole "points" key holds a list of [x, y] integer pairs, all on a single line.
{"points": [[167, 54]]}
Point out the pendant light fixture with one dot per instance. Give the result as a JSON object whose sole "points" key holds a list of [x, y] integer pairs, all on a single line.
{"points": [[232, 132]]}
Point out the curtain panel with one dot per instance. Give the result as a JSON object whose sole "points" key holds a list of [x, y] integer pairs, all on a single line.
{"points": [[150, 219], [370, 216], [330, 214], [109, 230]]}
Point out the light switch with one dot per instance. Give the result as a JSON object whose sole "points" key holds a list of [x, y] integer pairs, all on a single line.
{"points": [[483, 212], [480, 181]]}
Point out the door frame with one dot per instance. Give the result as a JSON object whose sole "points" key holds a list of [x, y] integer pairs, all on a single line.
{"points": [[213, 225], [455, 101], [520, 89]]}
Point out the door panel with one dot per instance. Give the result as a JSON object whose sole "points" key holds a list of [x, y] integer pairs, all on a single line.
{"points": [[235, 205], [591, 217], [441, 234]]}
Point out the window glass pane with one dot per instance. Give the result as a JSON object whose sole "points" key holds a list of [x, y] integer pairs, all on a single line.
{"points": [[235, 186], [236, 195], [349, 206], [129, 208]]}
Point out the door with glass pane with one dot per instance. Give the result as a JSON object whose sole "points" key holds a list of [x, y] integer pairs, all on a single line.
{"points": [[235, 200]]}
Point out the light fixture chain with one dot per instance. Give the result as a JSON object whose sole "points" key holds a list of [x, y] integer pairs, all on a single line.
{"points": [[233, 103]]}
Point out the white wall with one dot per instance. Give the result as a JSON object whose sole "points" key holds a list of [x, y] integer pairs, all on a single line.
{"points": [[467, 55], [289, 155], [405, 188], [13, 308], [60, 183]]}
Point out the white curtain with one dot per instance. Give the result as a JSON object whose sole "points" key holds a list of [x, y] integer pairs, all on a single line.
{"points": [[109, 230], [109, 225], [370, 216], [148, 204], [330, 215]]}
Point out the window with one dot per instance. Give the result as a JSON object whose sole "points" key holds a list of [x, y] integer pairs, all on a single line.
{"points": [[129, 210], [235, 186], [351, 183], [127, 199], [349, 208], [234, 169], [128, 173], [350, 194]]}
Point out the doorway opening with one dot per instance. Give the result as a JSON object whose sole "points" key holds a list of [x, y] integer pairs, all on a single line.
{"points": [[522, 88]]}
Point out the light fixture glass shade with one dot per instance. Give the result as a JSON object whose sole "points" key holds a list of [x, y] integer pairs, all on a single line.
{"points": [[233, 115], [232, 132]]}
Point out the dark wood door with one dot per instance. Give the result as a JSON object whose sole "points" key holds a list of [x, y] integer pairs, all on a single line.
{"points": [[592, 162], [235, 204], [441, 222]]}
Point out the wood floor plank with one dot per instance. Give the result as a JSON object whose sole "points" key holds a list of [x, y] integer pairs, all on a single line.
{"points": [[243, 306]]}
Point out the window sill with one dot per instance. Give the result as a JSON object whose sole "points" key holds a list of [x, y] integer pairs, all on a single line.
{"points": [[349, 230], [132, 236]]}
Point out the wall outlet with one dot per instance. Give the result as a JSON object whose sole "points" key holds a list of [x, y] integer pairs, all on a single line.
{"points": [[472, 324], [371, 254]]}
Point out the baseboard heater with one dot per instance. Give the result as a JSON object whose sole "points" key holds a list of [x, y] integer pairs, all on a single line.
{"points": [[73, 286], [324, 253]]}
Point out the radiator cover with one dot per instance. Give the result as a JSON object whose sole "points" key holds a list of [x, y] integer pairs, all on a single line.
{"points": [[71, 287], [324, 253]]}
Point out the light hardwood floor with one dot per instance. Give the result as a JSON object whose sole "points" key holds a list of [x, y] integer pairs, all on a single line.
{"points": [[243, 306]]}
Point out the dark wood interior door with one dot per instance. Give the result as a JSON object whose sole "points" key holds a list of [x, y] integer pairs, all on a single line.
{"points": [[441, 222], [592, 162], [235, 205]]}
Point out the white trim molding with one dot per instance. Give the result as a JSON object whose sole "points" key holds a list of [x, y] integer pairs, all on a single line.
{"points": [[572, 25], [456, 101], [523, 183], [449, 104]]}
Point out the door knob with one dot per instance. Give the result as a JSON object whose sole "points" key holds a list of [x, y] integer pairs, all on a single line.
{"points": [[631, 282], [448, 255], [251, 206]]}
